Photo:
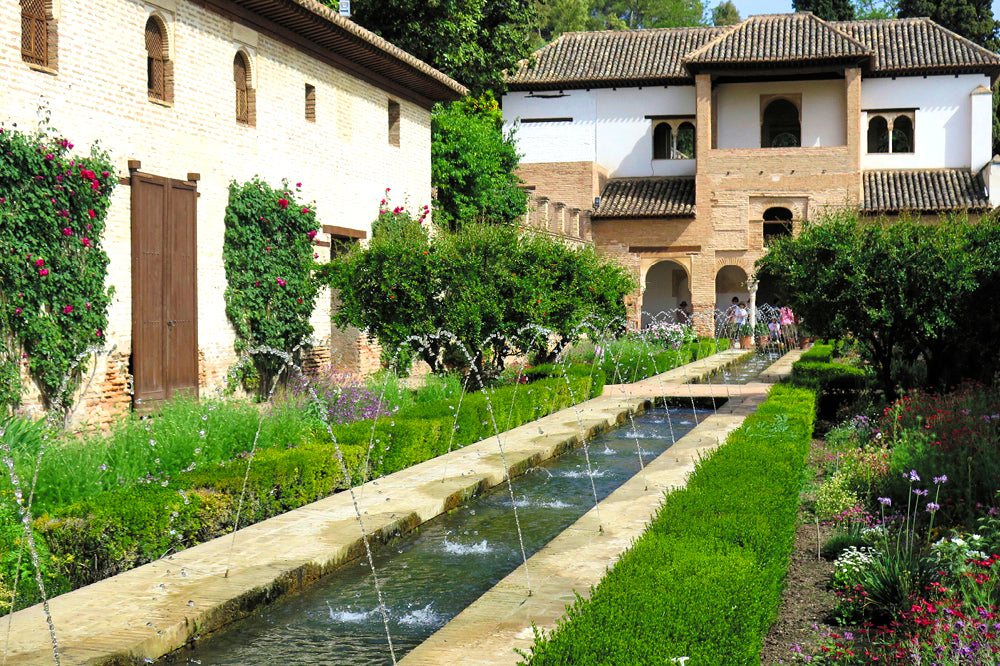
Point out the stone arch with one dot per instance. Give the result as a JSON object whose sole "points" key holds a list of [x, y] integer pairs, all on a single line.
{"points": [[666, 284], [780, 125], [731, 280]]}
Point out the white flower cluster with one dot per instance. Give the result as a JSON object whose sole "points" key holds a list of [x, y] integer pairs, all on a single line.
{"points": [[852, 562], [953, 552]]}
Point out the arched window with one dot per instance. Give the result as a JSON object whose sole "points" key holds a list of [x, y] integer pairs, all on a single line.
{"points": [[159, 69], [878, 135], [902, 135], [662, 141], [777, 222], [244, 90], [780, 127], [34, 32], [685, 142]]}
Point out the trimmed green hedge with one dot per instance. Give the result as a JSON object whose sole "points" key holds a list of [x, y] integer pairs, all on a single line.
{"points": [[818, 353], [705, 580], [115, 531], [634, 365]]}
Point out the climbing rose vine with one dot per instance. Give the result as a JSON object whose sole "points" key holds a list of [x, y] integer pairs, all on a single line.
{"points": [[269, 258], [53, 297]]}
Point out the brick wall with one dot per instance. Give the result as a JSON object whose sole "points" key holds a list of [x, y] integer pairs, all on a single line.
{"points": [[575, 184], [344, 159]]}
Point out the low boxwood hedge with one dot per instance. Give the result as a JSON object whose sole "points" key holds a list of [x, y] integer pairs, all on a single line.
{"points": [[705, 580], [635, 364], [121, 529]]}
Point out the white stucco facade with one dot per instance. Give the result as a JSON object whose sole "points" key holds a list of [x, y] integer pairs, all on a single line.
{"points": [[943, 129]]}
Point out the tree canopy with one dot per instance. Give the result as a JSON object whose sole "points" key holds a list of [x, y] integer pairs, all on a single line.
{"points": [[472, 41], [725, 14], [972, 19], [472, 164], [904, 290], [828, 10], [485, 284]]}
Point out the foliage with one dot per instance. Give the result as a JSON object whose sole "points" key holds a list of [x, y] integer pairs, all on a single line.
{"points": [[901, 289], [472, 41], [631, 359], [554, 17], [472, 164], [655, 13], [870, 10], [705, 579], [725, 13], [53, 300], [484, 284], [828, 10], [108, 531], [269, 257], [972, 19]]}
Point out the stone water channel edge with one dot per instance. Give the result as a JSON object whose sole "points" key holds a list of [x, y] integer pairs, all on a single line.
{"points": [[152, 610]]}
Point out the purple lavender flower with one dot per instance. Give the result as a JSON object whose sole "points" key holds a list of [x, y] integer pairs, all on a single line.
{"points": [[941, 479], [921, 493], [912, 476], [932, 507], [885, 501]]}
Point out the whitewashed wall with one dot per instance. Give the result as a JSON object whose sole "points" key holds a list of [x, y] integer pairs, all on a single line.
{"points": [[824, 112], [942, 125], [609, 127]]}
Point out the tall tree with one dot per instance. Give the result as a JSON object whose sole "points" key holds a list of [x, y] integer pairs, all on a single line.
{"points": [[725, 14], [472, 41], [828, 10], [554, 17], [472, 164], [973, 19], [655, 13], [867, 10]]}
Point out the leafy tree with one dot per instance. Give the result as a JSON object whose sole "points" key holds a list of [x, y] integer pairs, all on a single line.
{"points": [[828, 10], [483, 283], [268, 256], [554, 17], [659, 13], [867, 10], [725, 14], [472, 164], [472, 41], [972, 19], [903, 290]]}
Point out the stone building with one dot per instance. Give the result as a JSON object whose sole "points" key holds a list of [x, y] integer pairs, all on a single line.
{"points": [[693, 147], [188, 95]]}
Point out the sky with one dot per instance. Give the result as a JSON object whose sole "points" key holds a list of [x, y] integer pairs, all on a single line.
{"points": [[749, 7]]}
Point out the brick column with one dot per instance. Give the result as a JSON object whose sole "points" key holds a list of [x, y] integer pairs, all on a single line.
{"points": [[542, 213], [856, 137], [573, 224], [556, 223]]}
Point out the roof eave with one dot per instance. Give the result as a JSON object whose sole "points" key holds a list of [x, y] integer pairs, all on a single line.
{"points": [[581, 84]]}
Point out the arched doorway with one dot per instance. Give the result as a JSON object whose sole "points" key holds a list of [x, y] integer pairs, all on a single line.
{"points": [[666, 287], [730, 282]]}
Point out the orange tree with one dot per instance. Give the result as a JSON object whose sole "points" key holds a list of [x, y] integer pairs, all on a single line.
{"points": [[486, 284], [53, 298]]}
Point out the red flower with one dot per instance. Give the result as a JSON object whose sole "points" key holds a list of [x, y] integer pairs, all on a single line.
{"points": [[281, 283], [85, 241], [17, 311], [67, 309], [92, 214], [67, 232], [283, 203], [38, 262], [311, 234], [43, 272], [305, 210]]}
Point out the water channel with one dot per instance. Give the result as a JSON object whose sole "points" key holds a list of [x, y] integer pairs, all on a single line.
{"points": [[433, 573]]}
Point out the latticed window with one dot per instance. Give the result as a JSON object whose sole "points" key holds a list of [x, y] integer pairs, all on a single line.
{"points": [[156, 60], [241, 77], [34, 32]]}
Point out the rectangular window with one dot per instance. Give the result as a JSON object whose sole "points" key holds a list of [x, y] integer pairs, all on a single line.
{"points": [[310, 103], [34, 32], [393, 123]]}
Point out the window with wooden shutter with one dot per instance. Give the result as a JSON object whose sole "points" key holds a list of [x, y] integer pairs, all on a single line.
{"points": [[310, 103], [159, 69], [241, 77], [34, 32]]}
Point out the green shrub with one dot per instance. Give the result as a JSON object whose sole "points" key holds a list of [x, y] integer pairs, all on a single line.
{"points": [[629, 360], [818, 354], [705, 580]]}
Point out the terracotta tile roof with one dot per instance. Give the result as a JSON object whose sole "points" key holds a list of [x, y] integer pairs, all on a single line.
{"points": [[918, 45], [647, 197], [923, 190], [778, 39], [611, 57], [669, 56]]}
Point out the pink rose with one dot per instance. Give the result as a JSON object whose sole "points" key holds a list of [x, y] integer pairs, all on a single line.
{"points": [[283, 203]]}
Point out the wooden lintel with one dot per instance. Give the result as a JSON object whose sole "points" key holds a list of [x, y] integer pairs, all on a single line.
{"points": [[344, 232], [652, 249]]}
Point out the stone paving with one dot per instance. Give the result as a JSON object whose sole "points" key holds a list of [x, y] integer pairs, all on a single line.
{"points": [[152, 610]]}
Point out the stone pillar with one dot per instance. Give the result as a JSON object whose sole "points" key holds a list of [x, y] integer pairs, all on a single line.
{"points": [[542, 213], [573, 227], [856, 136], [556, 223]]}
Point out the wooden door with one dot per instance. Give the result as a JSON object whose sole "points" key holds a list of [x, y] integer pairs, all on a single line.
{"points": [[164, 287]]}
